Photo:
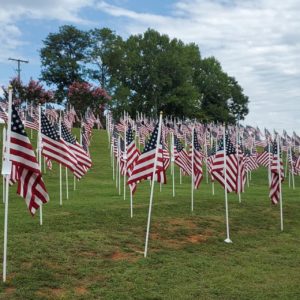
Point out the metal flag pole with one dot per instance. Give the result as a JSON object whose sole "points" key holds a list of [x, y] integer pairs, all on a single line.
{"points": [[125, 155], [3, 156], [119, 163], [280, 189], [227, 240], [40, 154], [172, 162], [292, 167], [60, 167], [192, 182], [152, 185], [113, 162], [238, 165], [6, 170], [67, 184]]}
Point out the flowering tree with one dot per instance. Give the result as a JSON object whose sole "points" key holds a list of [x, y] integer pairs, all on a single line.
{"points": [[18, 91], [37, 94], [83, 95], [32, 92]]}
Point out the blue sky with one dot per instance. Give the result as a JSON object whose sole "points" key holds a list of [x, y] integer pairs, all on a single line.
{"points": [[257, 41]]}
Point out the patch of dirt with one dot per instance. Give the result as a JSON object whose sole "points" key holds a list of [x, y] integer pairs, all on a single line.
{"points": [[180, 242], [118, 256], [186, 223], [80, 290], [10, 290], [197, 238]]}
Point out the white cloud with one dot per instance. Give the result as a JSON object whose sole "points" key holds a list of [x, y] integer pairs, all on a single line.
{"points": [[257, 41], [13, 11]]}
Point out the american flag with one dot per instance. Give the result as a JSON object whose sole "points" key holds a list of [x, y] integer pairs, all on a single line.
{"points": [[211, 152], [293, 159], [132, 152], [218, 168], [166, 156], [241, 180], [277, 174], [3, 115], [143, 168], [198, 173], [265, 157], [31, 122], [30, 183], [83, 159], [132, 155], [181, 156], [54, 147], [250, 160]]}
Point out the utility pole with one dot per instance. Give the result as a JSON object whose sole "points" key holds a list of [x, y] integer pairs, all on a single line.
{"points": [[19, 61]]}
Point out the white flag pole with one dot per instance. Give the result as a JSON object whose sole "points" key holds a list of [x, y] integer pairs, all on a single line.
{"points": [[172, 162], [125, 155], [74, 183], [6, 170], [269, 164], [180, 176], [192, 177], [292, 167], [286, 163], [238, 165], [131, 204], [60, 167], [152, 185], [119, 163], [40, 154], [227, 240], [3, 156], [67, 184], [280, 190], [113, 161], [205, 145]]}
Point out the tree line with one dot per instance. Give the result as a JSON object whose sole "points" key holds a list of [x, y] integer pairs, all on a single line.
{"points": [[144, 73]]}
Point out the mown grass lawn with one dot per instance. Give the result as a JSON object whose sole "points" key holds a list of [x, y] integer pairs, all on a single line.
{"points": [[90, 248]]}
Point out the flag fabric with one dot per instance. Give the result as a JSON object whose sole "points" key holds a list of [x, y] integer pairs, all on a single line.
{"points": [[264, 158], [218, 168], [31, 122], [198, 173], [3, 115], [54, 147], [181, 156], [250, 161], [143, 168], [241, 180], [30, 183], [277, 174], [83, 159], [133, 154]]}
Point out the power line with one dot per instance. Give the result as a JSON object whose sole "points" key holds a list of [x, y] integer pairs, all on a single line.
{"points": [[19, 61]]}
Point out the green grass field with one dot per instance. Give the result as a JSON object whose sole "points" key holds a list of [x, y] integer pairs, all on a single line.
{"points": [[90, 248]]}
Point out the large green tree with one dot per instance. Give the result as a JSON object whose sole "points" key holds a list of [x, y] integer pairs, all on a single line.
{"points": [[104, 53], [63, 57], [155, 74], [147, 72], [222, 98]]}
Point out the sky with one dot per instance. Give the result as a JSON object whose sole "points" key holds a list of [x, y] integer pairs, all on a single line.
{"points": [[256, 41]]}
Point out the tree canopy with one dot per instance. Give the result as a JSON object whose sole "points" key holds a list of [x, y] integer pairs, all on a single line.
{"points": [[145, 73]]}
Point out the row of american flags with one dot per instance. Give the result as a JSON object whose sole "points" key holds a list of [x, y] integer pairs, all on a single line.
{"points": [[55, 141], [230, 154]]}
